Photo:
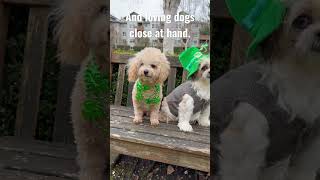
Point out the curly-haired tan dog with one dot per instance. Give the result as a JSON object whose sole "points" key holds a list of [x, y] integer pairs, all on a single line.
{"points": [[82, 26], [149, 67]]}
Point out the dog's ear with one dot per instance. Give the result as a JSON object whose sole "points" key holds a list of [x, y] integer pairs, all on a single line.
{"points": [[133, 66], [164, 68], [194, 76]]}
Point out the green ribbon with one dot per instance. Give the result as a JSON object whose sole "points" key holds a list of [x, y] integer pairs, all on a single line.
{"points": [[141, 88], [94, 108]]}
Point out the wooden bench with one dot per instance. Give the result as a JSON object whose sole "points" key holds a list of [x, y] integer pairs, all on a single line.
{"points": [[21, 156], [164, 143], [240, 38]]}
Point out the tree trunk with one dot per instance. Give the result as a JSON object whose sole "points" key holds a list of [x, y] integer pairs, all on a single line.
{"points": [[170, 7]]}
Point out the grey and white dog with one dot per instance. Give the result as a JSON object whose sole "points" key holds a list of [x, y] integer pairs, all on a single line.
{"points": [[266, 114], [190, 101]]}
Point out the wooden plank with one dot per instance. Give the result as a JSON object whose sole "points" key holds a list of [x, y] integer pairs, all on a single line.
{"points": [[4, 21], [34, 56], [129, 98], [60, 150], [10, 174], [160, 141], [184, 75], [62, 125], [126, 116], [220, 9], [113, 157], [164, 143], [172, 80], [50, 166], [240, 43], [31, 2], [120, 82], [174, 132], [142, 146], [50, 159]]}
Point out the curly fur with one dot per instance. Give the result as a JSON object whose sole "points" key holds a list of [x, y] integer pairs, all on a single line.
{"points": [[155, 63], [291, 72], [82, 26]]}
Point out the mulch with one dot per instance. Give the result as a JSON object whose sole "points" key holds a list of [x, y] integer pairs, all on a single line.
{"points": [[127, 167]]}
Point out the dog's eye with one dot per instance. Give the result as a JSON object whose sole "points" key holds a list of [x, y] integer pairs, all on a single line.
{"points": [[153, 66], [141, 64], [302, 21], [204, 68]]}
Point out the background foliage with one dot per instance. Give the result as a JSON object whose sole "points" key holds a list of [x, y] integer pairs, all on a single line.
{"points": [[222, 38], [12, 76]]}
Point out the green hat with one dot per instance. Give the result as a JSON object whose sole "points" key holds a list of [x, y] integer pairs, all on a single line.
{"points": [[259, 17], [190, 59]]}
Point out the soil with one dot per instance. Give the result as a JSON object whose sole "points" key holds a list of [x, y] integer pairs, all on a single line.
{"points": [[131, 168]]}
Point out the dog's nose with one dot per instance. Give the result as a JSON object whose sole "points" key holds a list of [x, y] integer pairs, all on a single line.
{"points": [[146, 72]]}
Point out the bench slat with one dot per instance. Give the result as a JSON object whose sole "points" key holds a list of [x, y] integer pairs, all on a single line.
{"points": [[11, 174], [125, 112], [34, 56], [148, 146], [220, 10], [120, 82], [240, 42], [38, 157], [4, 21], [161, 130], [172, 80], [166, 142], [129, 98], [184, 75], [31, 2]]}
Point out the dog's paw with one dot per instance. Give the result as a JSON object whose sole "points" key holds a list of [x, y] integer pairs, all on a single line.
{"points": [[154, 122], [205, 123], [137, 120], [185, 127]]}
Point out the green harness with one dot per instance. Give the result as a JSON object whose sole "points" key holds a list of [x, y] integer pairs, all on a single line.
{"points": [[94, 108], [141, 88]]}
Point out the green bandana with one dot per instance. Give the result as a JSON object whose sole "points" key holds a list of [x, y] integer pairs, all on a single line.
{"points": [[141, 88], [96, 86], [190, 59], [259, 17]]}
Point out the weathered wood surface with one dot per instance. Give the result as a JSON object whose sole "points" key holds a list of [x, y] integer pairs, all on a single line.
{"points": [[31, 2], [23, 159], [4, 20], [220, 9], [11, 174], [120, 83], [164, 143], [34, 56], [240, 43], [172, 80]]}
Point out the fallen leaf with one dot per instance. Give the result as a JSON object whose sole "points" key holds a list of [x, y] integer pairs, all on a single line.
{"points": [[170, 170]]}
